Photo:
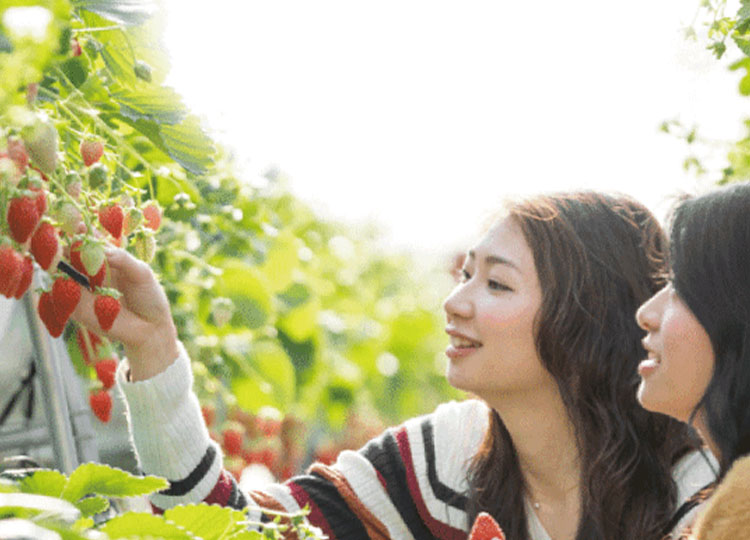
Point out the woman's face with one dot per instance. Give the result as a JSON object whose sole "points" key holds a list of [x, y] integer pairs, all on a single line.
{"points": [[490, 317], [680, 360]]}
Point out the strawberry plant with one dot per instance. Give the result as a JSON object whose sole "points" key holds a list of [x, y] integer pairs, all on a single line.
{"points": [[287, 317]]}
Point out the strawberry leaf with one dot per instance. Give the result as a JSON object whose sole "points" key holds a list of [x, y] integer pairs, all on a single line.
{"points": [[103, 480], [209, 522], [137, 524], [46, 482]]}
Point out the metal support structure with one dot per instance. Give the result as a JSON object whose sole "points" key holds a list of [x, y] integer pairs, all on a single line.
{"points": [[49, 369]]}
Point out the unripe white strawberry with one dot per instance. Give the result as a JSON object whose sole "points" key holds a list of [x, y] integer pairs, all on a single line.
{"points": [[70, 218], [92, 257], [144, 245], [133, 218]]}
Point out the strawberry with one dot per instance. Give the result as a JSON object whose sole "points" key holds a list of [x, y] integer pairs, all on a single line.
{"points": [[232, 441], [75, 47], [11, 265], [17, 152], [486, 528], [32, 89], [45, 246], [93, 342], [66, 294], [40, 199], [111, 218], [72, 183], [47, 313], [91, 151], [105, 371], [209, 414], [27, 273], [152, 215], [9, 173], [101, 405], [97, 175], [70, 218], [133, 218], [41, 140], [23, 217], [106, 309], [145, 246]]}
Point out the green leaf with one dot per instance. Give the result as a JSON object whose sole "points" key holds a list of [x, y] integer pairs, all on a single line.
{"points": [[743, 43], [90, 506], [249, 291], [27, 504], [743, 17], [269, 361], [209, 522], [295, 295], [127, 12], [140, 524], [47, 482], [74, 71], [186, 143], [104, 480], [161, 105]]}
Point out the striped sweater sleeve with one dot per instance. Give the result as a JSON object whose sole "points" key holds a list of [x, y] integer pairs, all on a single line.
{"points": [[408, 483]]}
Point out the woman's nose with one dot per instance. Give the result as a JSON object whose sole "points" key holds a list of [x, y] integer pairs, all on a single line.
{"points": [[458, 303], [649, 314]]}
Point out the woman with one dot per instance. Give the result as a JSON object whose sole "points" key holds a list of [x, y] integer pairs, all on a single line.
{"points": [[541, 330], [698, 343]]}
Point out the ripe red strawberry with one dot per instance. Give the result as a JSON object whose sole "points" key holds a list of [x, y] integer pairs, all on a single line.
{"points": [[40, 199], [66, 294], [101, 405], [111, 218], [47, 313], [11, 265], [75, 47], [91, 151], [17, 152], [152, 215], [232, 441], [27, 273], [486, 528], [31, 91], [45, 246], [105, 371], [94, 342], [106, 309], [209, 414], [23, 217]]}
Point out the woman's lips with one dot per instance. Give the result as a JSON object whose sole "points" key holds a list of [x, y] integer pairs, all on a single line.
{"points": [[648, 366]]}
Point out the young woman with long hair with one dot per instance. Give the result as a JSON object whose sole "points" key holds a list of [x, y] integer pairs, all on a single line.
{"points": [[698, 343], [541, 332]]}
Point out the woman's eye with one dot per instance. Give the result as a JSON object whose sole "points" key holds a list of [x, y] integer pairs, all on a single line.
{"points": [[496, 285], [463, 275]]}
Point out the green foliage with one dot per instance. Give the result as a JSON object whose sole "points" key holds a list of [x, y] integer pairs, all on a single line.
{"points": [[722, 32], [48, 500]]}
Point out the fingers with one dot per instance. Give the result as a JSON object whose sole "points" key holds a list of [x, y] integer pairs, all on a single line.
{"points": [[125, 329], [127, 267]]}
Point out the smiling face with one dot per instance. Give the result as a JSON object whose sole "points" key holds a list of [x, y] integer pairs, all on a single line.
{"points": [[490, 318], [680, 360]]}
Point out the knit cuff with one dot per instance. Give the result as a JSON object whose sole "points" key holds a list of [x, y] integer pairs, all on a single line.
{"points": [[165, 420]]}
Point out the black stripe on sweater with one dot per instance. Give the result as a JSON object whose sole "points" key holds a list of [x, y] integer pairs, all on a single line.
{"points": [[384, 455], [237, 499], [441, 491], [181, 487], [343, 522]]}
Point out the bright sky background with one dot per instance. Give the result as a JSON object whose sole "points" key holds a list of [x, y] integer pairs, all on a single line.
{"points": [[422, 115]]}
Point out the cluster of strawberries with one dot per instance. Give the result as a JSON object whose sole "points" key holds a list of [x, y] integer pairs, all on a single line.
{"points": [[97, 352], [265, 439], [48, 226]]}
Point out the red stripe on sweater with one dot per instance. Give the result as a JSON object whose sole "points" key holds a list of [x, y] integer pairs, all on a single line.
{"points": [[222, 490], [437, 528], [315, 516]]}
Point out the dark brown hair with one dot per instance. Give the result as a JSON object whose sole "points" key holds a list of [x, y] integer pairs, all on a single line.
{"points": [[598, 257], [710, 259]]}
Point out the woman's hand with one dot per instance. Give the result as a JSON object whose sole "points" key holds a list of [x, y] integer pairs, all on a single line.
{"points": [[144, 325]]}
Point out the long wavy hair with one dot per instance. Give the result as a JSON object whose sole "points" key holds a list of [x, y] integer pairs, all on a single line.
{"points": [[598, 257], [710, 265]]}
